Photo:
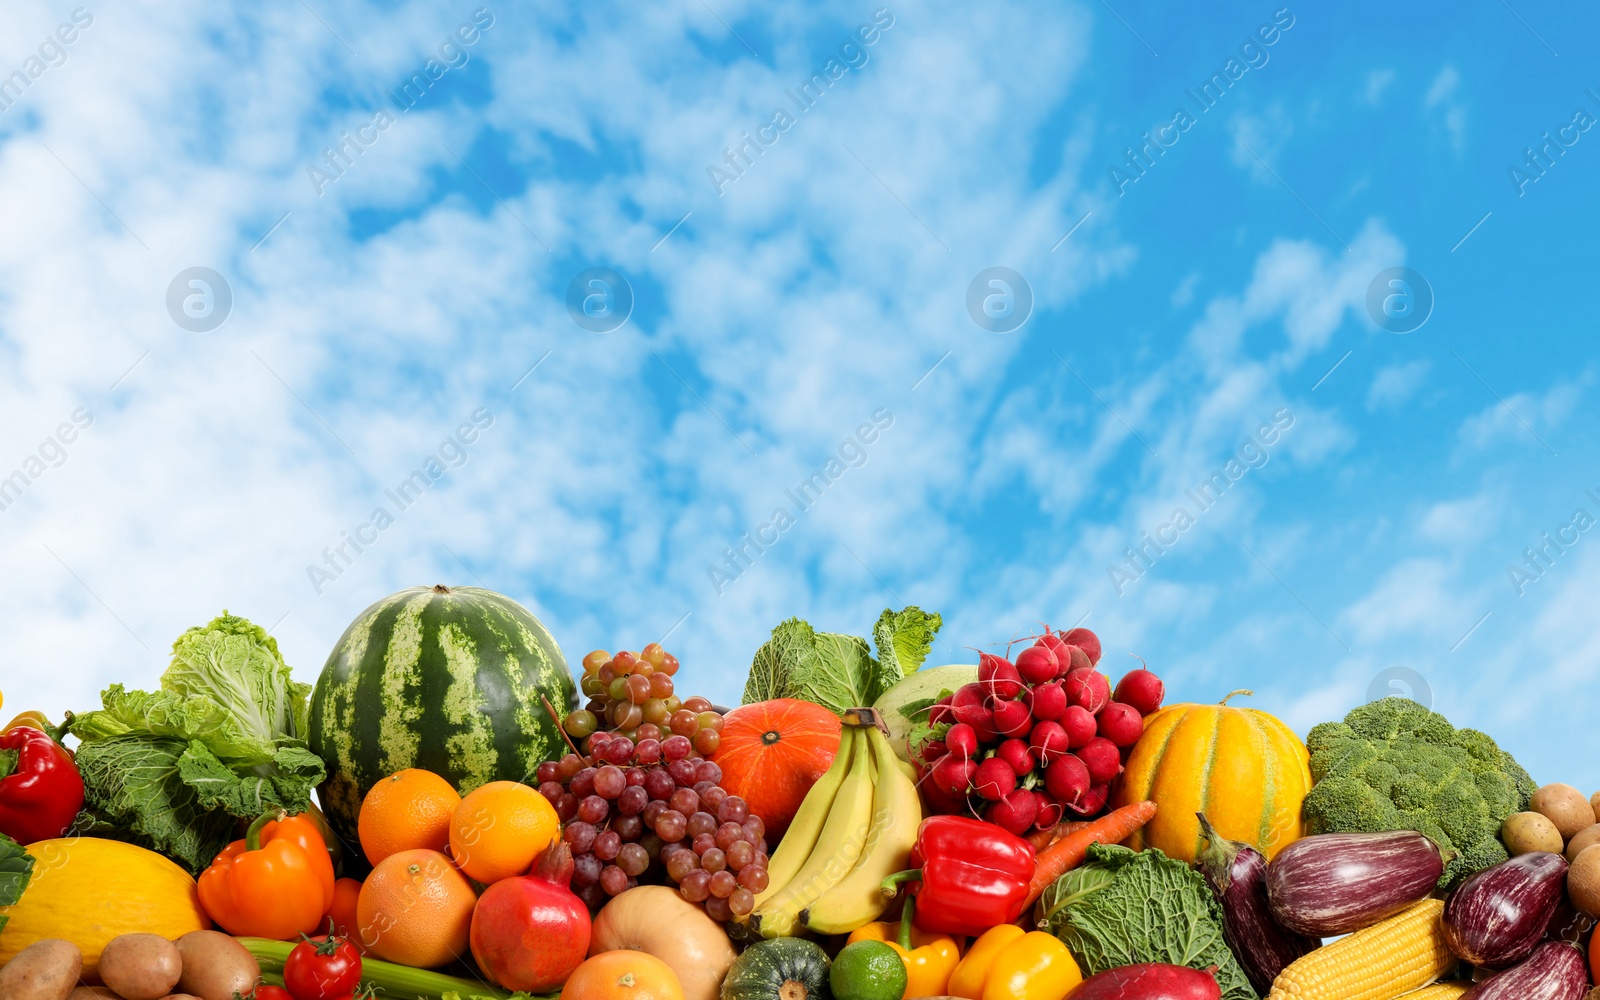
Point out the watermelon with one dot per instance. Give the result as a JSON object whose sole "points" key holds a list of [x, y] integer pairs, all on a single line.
{"points": [[448, 679]]}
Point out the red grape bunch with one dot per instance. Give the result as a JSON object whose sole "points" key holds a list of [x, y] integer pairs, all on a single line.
{"points": [[1032, 740], [632, 810], [632, 694]]}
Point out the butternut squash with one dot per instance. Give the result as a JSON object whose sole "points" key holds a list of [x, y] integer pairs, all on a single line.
{"points": [[88, 890]]}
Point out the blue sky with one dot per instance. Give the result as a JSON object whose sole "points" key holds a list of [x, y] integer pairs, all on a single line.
{"points": [[423, 286]]}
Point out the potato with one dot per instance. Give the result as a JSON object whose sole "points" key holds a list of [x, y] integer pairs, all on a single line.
{"points": [[1587, 837], [1527, 832], [1564, 806], [45, 970], [215, 966], [179, 996], [1583, 881], [141, 966], [93, 993]]}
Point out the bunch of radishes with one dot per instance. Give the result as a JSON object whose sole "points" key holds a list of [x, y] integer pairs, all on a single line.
{"points": [[1031, 741]]}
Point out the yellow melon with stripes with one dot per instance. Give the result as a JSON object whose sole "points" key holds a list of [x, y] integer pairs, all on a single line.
{"points": [[1243, 768]]}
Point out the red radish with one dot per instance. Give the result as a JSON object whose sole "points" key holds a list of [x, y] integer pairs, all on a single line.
{"points": [[1015, 813], [1049, 813], [940, 712], [962, 740], [1018, 755], [1037, 664], [1150, 981], [1084, 640], [539, 906], [985, 728], [994, 779], [970, 715], [1093, 801], [1048, 810], [1053, 641], [998, 677], [954, 774], [1141, 689], [941, 802], [1047, 741], [1012, 718], [1080, 726], [1048, 701], [1101, 758], [934, 749], [1075, 659], [1067, 780], [1088, 689], [966, 705], [1121, 724]]}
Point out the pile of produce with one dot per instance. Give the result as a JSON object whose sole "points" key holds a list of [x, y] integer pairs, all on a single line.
{"points": [[448, 814]]}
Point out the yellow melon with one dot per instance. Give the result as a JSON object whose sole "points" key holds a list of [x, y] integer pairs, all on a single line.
{"points": [[1243, 768], [88, 890]]}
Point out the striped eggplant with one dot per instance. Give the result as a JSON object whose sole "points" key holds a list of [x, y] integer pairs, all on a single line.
{"points": [[1498, 915], [1555, 971], [1237, 875], [450, 680], [1335, 883]]}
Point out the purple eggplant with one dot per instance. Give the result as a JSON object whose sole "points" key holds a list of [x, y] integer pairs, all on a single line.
{"points": [[1335, 883], [1555, 971], [1237, 875], [1497, 916]]}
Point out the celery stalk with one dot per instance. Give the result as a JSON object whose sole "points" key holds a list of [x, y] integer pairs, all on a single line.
{"points": [[389, 979]]}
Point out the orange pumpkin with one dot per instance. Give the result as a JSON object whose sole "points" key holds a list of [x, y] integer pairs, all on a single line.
{"points": [[1243, 768], [772, 752]]}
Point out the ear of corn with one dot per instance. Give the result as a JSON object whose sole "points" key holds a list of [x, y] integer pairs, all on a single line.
{"points": [[1439, 991], [1382, 962]]}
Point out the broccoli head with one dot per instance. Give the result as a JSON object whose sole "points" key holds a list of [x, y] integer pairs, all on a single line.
{"points": [[1394, 765]]}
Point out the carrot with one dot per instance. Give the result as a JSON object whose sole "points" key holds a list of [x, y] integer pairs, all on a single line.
{"points": [[1071, 849]]}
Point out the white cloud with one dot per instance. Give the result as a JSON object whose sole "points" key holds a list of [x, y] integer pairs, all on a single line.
{"points": [[1454, 522], [1442, 100], [1394, 384], [1522, 417]]}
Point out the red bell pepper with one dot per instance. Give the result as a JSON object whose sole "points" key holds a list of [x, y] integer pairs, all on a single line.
{"points": [[41, 790], [970, 875]]}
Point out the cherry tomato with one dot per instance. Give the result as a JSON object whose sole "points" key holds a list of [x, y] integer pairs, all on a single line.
{"points": [[265, 991], [322, 968]]}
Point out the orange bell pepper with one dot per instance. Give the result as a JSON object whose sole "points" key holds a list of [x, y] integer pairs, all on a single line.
{"points": [[276, 883], [929, 958]]}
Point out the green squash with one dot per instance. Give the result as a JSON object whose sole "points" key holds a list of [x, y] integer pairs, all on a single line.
{"points": [[780, 969]]}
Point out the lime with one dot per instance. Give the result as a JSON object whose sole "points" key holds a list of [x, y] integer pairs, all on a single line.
{"points": [[868, 970]]}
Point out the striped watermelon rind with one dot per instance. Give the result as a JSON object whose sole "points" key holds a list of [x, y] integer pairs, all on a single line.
{"points": [[447, 679]]}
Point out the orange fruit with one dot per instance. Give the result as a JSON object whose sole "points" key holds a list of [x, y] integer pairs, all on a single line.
{"points": [[623, 975], [407, 811], [499, 829], [416, 909]]}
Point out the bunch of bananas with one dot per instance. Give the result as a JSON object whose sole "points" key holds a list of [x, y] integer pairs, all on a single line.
{"points": [[855, 828]]}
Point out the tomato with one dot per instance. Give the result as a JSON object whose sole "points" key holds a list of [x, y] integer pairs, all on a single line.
{"points": [[322, 968], [265, 991]]}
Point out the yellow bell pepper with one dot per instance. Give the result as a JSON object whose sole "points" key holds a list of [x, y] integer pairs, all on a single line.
{"points": [[1006, 963], [929, 958], [36, 720]]}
